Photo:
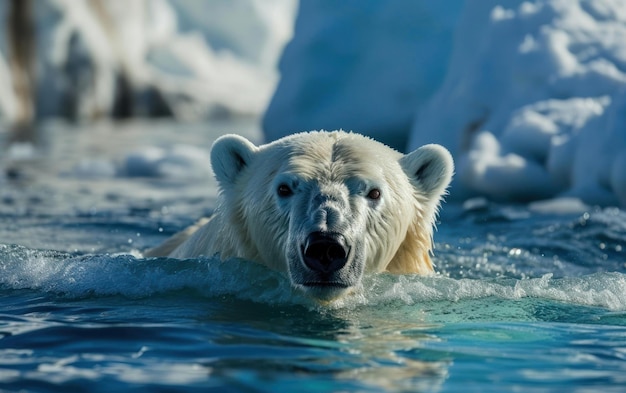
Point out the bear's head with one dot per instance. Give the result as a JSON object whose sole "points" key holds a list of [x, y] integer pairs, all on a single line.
{"points": [[327, 207]]}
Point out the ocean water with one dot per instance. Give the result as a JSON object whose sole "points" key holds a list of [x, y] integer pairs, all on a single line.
{"points": [[527, 297]]}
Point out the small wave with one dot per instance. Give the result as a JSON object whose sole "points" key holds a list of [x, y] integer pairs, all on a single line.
{"points": [[129, 276], [598, 289]]}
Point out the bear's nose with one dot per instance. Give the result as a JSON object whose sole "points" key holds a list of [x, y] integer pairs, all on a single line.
{"points": [[325, 252]]}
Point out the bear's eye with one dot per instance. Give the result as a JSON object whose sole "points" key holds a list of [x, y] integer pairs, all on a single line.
{"points": [[374, 194], [284, 191]]}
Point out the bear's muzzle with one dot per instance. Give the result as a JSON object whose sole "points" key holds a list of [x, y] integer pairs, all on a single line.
{"points": [[325, 252]]}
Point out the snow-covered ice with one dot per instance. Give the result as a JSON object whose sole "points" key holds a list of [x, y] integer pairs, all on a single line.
{"points": [[175, 162], [178, 161], [533, 105]]}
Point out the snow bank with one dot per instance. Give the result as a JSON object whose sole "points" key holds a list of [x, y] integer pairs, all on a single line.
{"points": [[117, 58], [361, 65], [528, 95], [534, 105]]}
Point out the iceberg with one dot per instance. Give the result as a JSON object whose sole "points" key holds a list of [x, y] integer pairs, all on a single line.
{"points": [[362, 65], [527, 95], [120, 59]]}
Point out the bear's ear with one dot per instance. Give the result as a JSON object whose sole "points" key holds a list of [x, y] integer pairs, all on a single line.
{"points": [[230, 154], [430, 167]]}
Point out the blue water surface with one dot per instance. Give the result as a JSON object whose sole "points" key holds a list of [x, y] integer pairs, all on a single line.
{"points": [[528, 297]]}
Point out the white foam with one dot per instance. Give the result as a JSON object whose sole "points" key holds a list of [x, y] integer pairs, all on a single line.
{"points": [[126, 275], [599, 289]]}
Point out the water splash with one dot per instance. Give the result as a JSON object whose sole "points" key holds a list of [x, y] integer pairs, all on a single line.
{"points": [[129, 276]]}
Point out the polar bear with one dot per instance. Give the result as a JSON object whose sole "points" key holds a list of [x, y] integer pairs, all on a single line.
{"points": [[322, 207]]}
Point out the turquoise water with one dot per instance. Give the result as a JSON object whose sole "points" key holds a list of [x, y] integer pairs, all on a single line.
{"points": [[526, 299]]}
